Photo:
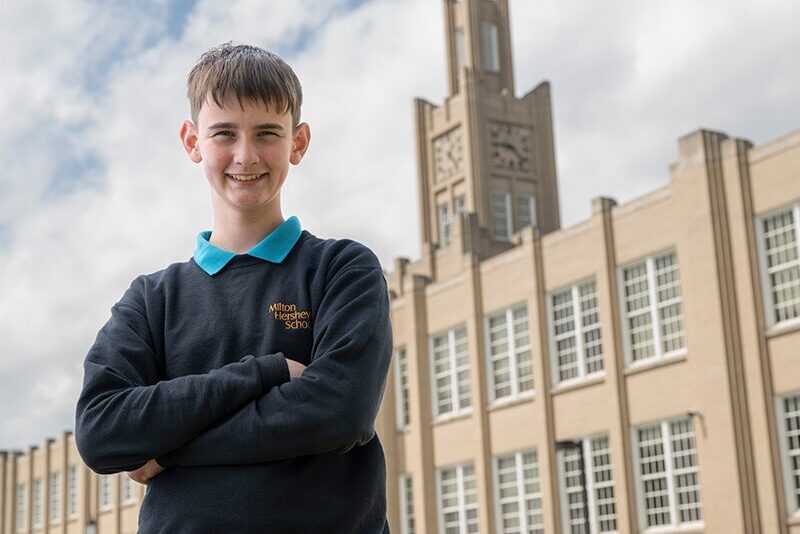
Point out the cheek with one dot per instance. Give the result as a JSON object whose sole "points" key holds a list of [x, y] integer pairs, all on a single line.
{"points": [[278, 152], [215, 160]]}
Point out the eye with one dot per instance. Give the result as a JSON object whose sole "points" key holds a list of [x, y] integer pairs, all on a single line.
{"points": [[224, 133], [266, 133]]}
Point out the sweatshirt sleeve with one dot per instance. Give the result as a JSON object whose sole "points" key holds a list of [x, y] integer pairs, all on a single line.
{"points": [[332, 406], [125, 416]]}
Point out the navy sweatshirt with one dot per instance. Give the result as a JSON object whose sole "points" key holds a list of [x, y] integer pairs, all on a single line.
{"points": [[190, 370]]}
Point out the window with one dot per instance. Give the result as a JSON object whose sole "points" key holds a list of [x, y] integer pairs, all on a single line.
{"points": [[37, 490], [406, 506], [779, 251], [509, 354], [501, 216], [55, 497], [450, 373], [526, 211], [653, 315], [458, 500], [519, 494], [444, 226], [105, 492], [461, 204], [72, 491], [491, 51], [461, 52], [401, 381], [789, 424], [128, 489], [668, 475], [21, 521], [576, 346], [587, 485]]}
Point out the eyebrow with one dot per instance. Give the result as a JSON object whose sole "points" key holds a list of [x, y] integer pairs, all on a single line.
{"points": [[232, 126]]}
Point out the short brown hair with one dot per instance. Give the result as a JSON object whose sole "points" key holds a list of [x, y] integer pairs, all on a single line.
{"points": [[247, 72]]}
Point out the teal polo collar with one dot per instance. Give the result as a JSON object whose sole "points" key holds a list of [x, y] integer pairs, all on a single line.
{"points": [[273, 248]]}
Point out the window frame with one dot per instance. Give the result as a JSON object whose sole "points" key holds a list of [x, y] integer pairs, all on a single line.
{"points": [[453, 358], [522, 497], [509, 223], [54, 497], [792, 500], [128, 484], [37, 503], [653, 309], [407, 516], [490, 47], [590, 486], [445, 224], [402, 394], [531, 207], [511, 355], [764, 274], [105, 483], [460, 494], [22, 498], [460, 49], [460, 204], [666, 439], [71, 499], [577, 333]]}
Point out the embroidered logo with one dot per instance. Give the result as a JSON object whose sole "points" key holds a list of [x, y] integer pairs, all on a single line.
{"points": [[293, 319]]}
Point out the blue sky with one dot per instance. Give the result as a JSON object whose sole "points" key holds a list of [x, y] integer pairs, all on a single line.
{"points": [[96, 189]]}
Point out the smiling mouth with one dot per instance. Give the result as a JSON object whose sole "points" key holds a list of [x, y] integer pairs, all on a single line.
{"points": [[245, 177]]}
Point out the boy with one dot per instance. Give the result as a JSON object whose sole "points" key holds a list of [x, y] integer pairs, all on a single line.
{"points": [[242, 385]]}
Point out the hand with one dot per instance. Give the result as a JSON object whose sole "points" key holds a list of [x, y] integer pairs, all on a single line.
{"points": [[146, 472], [295, 368]]}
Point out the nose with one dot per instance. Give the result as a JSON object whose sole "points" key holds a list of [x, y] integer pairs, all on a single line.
{"points": [[245, 155]]}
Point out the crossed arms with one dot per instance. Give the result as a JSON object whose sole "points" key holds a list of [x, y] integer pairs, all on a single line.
{"points": [[244, 412]]}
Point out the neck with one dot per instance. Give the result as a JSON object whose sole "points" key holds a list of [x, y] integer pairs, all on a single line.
{"points": [[239, 231]]}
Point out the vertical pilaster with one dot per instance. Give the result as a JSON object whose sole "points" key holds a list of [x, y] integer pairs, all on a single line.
{"points": [[542, 384], [420, 454]]}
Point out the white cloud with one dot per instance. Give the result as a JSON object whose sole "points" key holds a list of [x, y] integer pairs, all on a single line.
{"points": [[627, 81]]}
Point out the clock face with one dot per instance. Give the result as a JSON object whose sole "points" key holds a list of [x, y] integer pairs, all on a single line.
{"points": [[448, 154], [510, 147]]}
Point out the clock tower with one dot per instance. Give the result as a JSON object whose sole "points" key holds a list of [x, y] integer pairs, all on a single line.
{"points": [[484, 151]]}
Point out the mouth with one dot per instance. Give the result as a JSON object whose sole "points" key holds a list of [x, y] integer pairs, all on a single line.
{"points": [[245, 177]]}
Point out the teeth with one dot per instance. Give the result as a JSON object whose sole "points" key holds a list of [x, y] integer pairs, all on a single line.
{"points": [[244, 177]]}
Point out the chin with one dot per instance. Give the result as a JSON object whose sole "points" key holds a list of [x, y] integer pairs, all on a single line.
{"points": [[249, 205]]}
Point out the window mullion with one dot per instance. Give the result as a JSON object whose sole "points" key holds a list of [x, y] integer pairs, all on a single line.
{"points": [[512, 352], [520, 467], [588, 474], [576, 313], [668, 465], [451, 342], [653, 294], [509, 218], [797, 231], [462, 511]]}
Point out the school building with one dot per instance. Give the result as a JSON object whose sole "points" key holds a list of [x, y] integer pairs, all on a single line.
{"points": [[637, 372]]}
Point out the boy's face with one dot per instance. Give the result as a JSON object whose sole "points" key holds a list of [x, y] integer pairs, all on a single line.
{"points": [[245, 152]]}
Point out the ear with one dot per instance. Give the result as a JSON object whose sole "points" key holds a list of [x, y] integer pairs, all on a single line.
{"points": [[188, 136], [300, 141]]}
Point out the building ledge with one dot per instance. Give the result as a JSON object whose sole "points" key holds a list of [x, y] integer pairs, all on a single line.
{"points": [[506, 402], [447, 418], [692, 528], [653, 363], [578, 384], [783, 328]]}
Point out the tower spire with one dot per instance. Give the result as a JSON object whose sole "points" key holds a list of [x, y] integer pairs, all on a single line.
{"points": [[478, 44]]}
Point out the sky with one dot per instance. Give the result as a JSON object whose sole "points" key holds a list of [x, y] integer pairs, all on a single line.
{"points": [[95, 188]]}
